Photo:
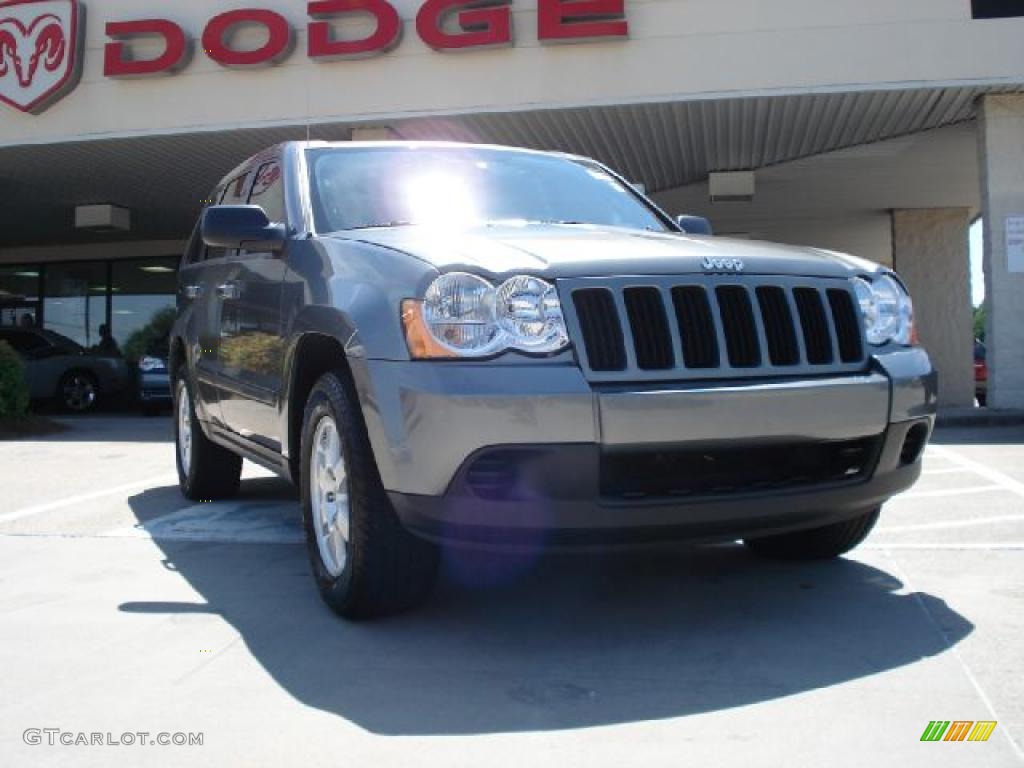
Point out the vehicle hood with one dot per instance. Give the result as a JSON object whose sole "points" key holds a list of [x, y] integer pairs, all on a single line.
{"points": [[554, 250]]}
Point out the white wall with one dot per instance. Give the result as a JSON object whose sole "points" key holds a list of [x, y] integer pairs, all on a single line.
{"points": [[678, 49], [930, 254], [842, 200], [865, 234], [1001, 150]]}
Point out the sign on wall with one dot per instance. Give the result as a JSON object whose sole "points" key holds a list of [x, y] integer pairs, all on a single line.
{"points": [[1015, 243], [996, 9], [41, 51]]}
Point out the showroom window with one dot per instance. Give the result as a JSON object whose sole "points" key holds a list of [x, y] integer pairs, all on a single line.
{"points": [[20, 287], [75, 300], [134, 299], [142, 295]]}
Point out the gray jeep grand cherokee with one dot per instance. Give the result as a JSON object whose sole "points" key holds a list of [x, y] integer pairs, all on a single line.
{"points": [[496, 347]]}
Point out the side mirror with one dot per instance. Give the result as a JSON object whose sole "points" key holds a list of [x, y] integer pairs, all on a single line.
{"points": [[694, 225], [241, 226]]}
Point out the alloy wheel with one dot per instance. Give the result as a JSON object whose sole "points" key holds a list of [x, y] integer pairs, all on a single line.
{"points": [[79, 392], [328, 489], [184, 428]]}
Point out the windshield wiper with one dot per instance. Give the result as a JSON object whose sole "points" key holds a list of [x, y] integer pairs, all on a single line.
{"points": [[504, 222], [385, 225]]}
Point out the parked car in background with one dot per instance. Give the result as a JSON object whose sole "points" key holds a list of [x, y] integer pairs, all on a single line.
{"points": [[56, 367], [154, 381], [980, 374]]}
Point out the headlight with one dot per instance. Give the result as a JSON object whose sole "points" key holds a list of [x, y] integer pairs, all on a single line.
{"points": [[147, 364], [530, 314], [887, 310], [463, 315]]}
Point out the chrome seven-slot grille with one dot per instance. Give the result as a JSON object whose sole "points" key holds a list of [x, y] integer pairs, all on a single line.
{"points": [[721, 326]]}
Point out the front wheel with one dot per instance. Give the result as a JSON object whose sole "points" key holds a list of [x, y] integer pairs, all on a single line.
{"points": [[823, 543], [206, 471], [364, 561]]}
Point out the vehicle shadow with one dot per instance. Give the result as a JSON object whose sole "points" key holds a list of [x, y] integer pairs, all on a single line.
{"points": [[559, 642]]}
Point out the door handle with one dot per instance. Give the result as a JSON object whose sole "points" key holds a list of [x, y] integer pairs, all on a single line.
{"points": [[192, 292], [228, 291]]}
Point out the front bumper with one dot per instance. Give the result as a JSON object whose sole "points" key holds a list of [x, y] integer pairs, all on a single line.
{"points": [[155, 387], [430, 424]]}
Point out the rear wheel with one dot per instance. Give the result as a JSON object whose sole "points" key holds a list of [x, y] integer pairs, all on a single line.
{"points": [[823, 543], [77, 391], [364, 562], [205, 470]]}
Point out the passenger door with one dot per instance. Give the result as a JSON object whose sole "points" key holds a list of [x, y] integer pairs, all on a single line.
{"points": [[251, 345], [204, 271]]}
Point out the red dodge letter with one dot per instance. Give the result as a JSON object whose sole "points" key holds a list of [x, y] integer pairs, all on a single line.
{"points": [[580, 19], [386, 36], [484, 23], [117, 61], [277, 47]]}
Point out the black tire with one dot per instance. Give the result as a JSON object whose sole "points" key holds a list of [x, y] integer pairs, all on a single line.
{"points": [[213, 472], [387, 570], [77, 391], [823, 543]]}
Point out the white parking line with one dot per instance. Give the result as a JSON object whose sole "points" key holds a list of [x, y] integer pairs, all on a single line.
{"points": [[952, 648], [945, 471], [968, 546], [941, 494], [232, 522], [1008, 483], [952, 524], [71, 501]]}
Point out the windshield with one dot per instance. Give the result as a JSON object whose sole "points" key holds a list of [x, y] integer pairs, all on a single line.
{"points": [[465, 186]]}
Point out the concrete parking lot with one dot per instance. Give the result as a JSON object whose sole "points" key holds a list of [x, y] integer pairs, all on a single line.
{"points": [[126, 609]]}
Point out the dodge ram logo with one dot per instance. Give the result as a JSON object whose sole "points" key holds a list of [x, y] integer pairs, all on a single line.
{"points": [[722, 265], [39, 52]]}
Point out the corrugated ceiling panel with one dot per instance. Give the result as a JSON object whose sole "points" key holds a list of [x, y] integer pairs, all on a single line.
{"points": [[162, 178]]}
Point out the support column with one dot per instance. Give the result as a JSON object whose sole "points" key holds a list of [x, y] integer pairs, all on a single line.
{"points": [[930, 253], [1001, 160]]}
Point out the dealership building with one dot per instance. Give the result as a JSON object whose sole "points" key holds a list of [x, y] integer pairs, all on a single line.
{"points": [[879, 128]]}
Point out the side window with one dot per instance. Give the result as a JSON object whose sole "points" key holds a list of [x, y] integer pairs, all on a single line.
{"points": [[194, 250], [268, 191], [236, 191]]}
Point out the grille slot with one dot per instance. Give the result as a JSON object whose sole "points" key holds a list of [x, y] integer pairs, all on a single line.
{"points": [[602, 333], [651, 328], [778, 326], [737, 314], [649, 325], [847, 322], [696, 326], [817, 339]]}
